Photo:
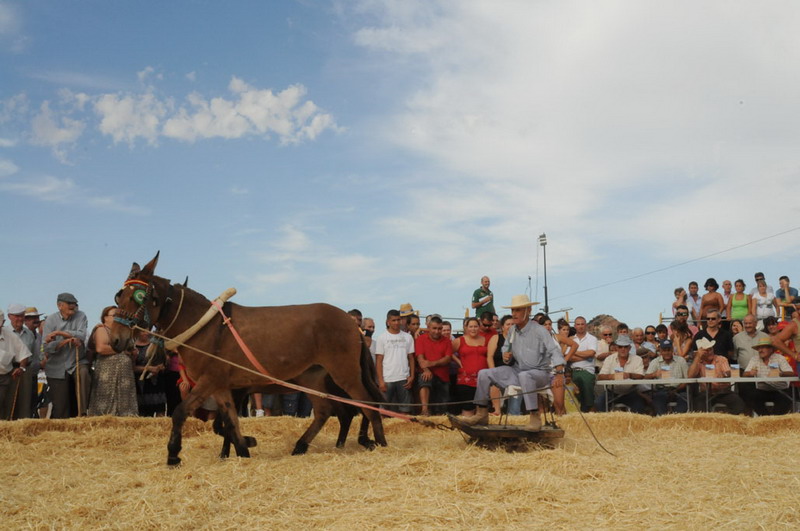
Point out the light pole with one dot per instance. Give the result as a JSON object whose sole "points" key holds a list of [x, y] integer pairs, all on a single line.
{"points": [[543, 243]]}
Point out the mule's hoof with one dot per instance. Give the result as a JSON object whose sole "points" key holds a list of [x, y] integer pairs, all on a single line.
{"points": [[250, 441], [300, 448], [367, 443], [173, 461]]}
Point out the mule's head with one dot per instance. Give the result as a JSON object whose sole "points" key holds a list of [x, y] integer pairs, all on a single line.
{"points": [[138, 304]]}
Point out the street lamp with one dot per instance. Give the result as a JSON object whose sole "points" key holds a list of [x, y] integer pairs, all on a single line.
{"points": [[543, 243]]}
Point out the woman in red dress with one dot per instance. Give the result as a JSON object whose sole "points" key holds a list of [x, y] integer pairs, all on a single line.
{"points": [[472, 355]]}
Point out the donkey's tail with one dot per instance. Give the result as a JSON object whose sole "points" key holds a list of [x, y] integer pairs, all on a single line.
{"points": [[369, 375]]}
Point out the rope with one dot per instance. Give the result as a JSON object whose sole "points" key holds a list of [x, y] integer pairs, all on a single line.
{"points": [[587, 424], [16, 394]]}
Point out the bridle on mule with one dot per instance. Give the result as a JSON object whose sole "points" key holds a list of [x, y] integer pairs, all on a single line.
{"points": [[143, 293]]}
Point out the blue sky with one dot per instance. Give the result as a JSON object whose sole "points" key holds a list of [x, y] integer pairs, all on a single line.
{"points": [[370, 153]]}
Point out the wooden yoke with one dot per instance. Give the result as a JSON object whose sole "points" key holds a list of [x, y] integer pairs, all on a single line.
{"points": [[185, 336]]}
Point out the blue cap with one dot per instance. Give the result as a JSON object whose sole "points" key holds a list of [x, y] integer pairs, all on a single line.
{"points": [[665, 345]]}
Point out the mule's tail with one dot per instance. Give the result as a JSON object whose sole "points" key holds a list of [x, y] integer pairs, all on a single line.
{"points": [[369, 375]]}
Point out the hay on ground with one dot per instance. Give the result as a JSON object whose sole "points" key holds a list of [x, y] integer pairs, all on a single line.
{"points": [[674, 472]]}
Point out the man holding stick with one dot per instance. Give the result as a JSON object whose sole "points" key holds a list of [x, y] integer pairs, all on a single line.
{"points": [[12, 349], [63, 337]]}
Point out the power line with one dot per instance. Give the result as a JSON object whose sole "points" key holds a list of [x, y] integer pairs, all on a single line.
{"points": [[673, 266]]}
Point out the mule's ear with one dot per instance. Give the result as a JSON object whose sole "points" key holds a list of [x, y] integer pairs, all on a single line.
{"points": [[151, 265], [134, 270], [186, 282]]}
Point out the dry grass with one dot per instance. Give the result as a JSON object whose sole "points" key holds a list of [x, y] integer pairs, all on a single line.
{"points": [[684, 471]]}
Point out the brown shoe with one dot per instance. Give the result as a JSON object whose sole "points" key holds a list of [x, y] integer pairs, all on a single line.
{"points": [[481, 418], [535, 424]]}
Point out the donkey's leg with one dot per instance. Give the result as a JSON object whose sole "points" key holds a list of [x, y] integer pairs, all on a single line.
{"points": [[345, 415], [184, 409], [363, 434], [322, 412], [221, 429], [349, 379], [230, 421]]}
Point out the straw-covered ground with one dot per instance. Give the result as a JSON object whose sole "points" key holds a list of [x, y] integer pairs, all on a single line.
{"points": [[683, 471]]}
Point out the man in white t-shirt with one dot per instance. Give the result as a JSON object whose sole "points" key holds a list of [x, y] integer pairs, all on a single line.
{"points": [[394, 361], [582, 363]]}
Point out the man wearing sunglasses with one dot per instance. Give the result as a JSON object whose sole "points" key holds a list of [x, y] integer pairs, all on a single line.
{"points": [[722, 339]]}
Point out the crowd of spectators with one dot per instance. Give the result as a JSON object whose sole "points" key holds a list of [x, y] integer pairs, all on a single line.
{"points": [[56, 367]]}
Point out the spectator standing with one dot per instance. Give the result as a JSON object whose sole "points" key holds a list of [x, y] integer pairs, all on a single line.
{"points": [[762, 302], [760, 276], [28, 381], [739, 302], [711, 301], [483, 298], [39, 400], [682, 335], [63, 338], [582, 363], [694, 303], [565, 338], [412, 325], [113, 386], [727, 291], [12, 350], [681, 299], [603, 346], [394, 361], [487, 328], [151, 394]]}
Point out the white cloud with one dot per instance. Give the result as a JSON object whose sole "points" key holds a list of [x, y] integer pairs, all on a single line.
{"points": [[127, 117], [7, 168], [586, 120], [192, 76], [13, 108], [240, 190], [252, 112], [50, 129], [66, 191], [7, 142]]}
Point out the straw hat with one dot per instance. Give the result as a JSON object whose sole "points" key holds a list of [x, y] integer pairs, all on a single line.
{"points": [[520, 301], [32, 312], [704, 344], [406, 309], [764, 342]]}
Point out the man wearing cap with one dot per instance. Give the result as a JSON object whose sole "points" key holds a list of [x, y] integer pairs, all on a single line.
{"points": [[529, 354], [63, 337], [16, 316], [769, 363], [668, 365], [12, 350], [707, 364], [631, 367], [483, 298]]}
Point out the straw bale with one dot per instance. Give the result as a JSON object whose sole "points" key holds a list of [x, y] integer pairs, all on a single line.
{"points": [[675, 472]]}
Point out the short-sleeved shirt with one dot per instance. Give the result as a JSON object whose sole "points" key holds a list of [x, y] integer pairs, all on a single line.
{"points": [[395, 349], [479, 294], [780, 294], [61, 361], [762, 371], [634, 365], [723, 342], [678, 368], [743, 350], [433, 351], [722, 369], [11, 349], [589, 342]]}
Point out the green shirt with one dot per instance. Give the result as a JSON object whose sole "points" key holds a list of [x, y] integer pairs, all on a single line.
{"points": [[479, 294]]}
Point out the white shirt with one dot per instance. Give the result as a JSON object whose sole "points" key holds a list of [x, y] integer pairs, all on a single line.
{"points": [[11, 349], [589, 342], [395, 349], [634, 365]]}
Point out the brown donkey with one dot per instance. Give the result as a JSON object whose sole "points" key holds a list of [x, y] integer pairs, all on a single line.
{"points": [[312, 334]]}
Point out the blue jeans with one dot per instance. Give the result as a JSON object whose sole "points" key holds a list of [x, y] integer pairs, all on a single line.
{"points": [[661, 397], [399, 396]]}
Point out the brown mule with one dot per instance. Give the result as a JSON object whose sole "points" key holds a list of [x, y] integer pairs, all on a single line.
{"points": [[312, 334]]}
